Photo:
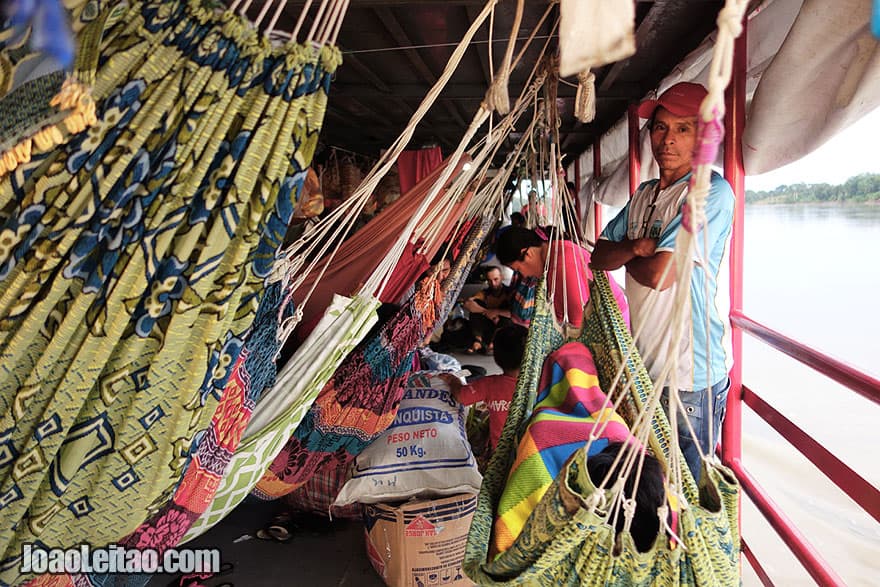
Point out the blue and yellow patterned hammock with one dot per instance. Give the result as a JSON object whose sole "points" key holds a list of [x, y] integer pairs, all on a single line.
{"points": [[133, 259]]}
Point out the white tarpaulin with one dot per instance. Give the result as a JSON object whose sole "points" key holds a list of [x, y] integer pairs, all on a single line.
{"points": [[825, 77], [768, 27]]}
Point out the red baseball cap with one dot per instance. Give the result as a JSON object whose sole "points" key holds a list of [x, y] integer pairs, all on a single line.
{"points": [[682, 99]]}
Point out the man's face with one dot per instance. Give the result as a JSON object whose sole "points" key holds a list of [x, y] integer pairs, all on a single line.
{"points": [[529, 264], [672, 141], [494, 279]]}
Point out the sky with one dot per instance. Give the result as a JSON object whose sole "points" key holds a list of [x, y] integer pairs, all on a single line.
{"points": [[848, 153]]}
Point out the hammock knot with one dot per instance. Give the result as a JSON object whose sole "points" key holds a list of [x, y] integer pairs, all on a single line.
{"points": [[709, 135], [629, 512], [596, 500], [730, 19], [585, 100]]}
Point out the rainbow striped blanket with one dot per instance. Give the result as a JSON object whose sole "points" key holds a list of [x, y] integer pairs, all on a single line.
{"points": [[568, 407]]}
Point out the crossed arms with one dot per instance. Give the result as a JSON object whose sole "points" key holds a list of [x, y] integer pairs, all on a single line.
{"points": [[642, 261]]}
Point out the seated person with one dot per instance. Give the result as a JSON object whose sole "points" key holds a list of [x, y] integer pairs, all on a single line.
{"points": [[495, 390], [650, 495], [489, 310]]}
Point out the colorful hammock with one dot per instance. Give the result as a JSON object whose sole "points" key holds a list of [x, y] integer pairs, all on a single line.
{"points": [[361, 400], [343, 326], [358, 403], [208, 462], [360, 255], [280, 410], [569, 407], [137, 263], [566, 541]]}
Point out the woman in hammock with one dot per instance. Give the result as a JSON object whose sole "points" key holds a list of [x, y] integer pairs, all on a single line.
{"points": [[529, 253]]}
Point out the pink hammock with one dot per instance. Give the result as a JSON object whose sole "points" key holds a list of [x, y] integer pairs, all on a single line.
{"points": [[360, 255]]}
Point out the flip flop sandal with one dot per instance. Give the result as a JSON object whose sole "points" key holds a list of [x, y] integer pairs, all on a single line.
{"points": [[275, 532], [476, 347]]}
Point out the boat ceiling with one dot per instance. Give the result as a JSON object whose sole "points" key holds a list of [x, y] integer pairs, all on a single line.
{"points": [[394, 51]]}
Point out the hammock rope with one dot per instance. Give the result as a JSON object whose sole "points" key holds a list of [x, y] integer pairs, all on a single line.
{"points": [[324, 411], [704, 562]]}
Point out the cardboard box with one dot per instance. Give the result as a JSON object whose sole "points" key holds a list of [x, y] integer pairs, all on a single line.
{"points": [[420, 543]]}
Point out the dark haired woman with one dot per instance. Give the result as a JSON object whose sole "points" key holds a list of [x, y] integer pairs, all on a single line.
{"points": [[568, 273]]}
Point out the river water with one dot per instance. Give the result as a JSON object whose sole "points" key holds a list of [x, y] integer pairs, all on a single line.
{"points": [[812, 272]]}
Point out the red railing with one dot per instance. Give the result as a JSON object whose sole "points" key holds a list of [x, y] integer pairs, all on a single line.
{"points": [[856, 487], [756, 565]]}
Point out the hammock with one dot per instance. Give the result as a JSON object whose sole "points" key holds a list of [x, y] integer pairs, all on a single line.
{"points": [[138, 264], [569, 407], [281, 410], [361, 400], [567, 539], [208, 462], [343, 326], [315, 361], [360, 255], [358, 403]]}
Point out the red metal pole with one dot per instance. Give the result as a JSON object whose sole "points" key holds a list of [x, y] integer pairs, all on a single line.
{"points": [[577, 189], [812, 561], [734, 122], [597, 173], [734, 172], [635, 162]]}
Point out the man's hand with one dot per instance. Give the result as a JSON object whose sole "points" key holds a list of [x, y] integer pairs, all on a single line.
{"points": [[644, 247], [453, 382], [611, 255], [492, 315], [473, 307]]}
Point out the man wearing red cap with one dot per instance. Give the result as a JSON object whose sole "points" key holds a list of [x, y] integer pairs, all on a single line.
{"points": [[642, 237]]}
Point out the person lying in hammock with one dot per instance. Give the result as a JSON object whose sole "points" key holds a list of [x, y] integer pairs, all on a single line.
{"points": [[568, 274], [570, 409], [649, 495]]}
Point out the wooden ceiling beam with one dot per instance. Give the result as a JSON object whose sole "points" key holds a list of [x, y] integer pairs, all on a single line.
{"points": [[394, 28]]}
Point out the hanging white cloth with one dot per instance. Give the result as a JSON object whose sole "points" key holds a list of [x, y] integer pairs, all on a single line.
{"points": [[594, 32], [825, 77]]}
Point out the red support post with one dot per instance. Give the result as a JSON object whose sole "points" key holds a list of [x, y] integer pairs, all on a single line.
{"points": [[597, 173], [577, 188], [635, 161], [734, 172]]}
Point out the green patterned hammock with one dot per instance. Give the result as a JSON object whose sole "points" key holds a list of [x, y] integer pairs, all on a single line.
{"points": [[568, 541]]}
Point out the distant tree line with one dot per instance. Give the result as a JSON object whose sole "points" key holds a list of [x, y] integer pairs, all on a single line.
{"points": [[861, 188]]}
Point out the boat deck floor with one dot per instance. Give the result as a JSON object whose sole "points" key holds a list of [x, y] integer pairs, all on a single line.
{"points": [[320, 552]]}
